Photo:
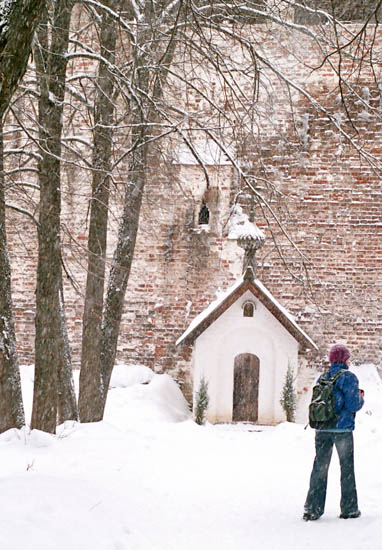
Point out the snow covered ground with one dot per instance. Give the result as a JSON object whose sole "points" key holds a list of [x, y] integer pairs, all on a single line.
{"points": [[149, 478]]}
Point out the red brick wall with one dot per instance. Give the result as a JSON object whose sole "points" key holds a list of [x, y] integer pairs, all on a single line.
{"points": [[328, 199]]}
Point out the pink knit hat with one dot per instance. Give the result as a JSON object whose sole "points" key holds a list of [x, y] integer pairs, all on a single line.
{"points": [[339, 354]]}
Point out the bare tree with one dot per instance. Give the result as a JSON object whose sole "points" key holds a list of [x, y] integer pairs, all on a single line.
{"points": [[11, 407], [156, 61], [143, 89], [91, 380], [67, 402], [182, 41], [19, 20], [49, 344], [18, 24]]}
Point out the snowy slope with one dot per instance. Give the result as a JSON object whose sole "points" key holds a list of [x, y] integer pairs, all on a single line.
{"points": [[149, 478]]}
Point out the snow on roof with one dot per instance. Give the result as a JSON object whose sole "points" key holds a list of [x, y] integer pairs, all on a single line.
{"points": [[287, 313], [207, 313], [240, 227], [212, 307]]}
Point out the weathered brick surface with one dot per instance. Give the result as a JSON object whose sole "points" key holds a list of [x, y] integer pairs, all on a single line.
{"points": [[329, 201]]}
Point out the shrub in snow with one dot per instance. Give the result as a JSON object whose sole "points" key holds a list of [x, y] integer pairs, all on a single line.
{"points": [[202, 401], [288, 398]]}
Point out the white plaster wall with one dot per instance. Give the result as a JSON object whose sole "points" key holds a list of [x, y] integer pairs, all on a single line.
{"points": [[231, 334]]}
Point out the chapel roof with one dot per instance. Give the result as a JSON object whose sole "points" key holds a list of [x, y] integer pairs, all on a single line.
{"points": [[246, 282]]}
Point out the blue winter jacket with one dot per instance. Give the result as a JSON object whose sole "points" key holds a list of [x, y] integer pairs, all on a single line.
{"points": [[347, 399]]}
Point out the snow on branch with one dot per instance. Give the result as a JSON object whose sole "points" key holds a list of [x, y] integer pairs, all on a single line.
{"points": [[5, 10], [112, 13], [22, 211]]}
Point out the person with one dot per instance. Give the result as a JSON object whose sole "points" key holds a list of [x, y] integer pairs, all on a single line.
{"points": [[348, 399]]}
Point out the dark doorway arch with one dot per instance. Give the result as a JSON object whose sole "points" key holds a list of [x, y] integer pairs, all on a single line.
{"points": [[246, 388]]}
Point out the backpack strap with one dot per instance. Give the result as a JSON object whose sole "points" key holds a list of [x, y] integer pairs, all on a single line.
{"points": [[333, 379]]}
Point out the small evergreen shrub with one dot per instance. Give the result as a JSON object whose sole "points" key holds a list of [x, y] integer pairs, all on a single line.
{"points": [[202, 401], [288, 398]]}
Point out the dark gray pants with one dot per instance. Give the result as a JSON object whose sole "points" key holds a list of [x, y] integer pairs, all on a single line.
{"points": [[315, 500]]}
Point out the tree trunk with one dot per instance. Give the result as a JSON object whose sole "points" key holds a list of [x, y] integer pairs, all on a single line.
{"points": [[19, 20], [142, 115], [91, 389], [67, 404], [11, 405], [121, 264], [51, 63]]}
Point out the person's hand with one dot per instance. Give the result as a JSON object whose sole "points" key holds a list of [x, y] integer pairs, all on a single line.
{"points": [[362, 393]]}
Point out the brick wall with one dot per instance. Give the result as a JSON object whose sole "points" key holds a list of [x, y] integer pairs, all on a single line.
{"points": [[327, 198]]}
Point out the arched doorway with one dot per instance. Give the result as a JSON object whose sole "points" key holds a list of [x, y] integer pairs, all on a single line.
{"points": [[246, 388]]}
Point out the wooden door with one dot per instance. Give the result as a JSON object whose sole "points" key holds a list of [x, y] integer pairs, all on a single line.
{"points": [[246, 388]]}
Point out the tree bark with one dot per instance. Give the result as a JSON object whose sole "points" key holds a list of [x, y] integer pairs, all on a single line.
{"points": [[140, 117], [51, 62], [20, 19], [91, 383], [67, 404], [11, 404], [121, 264], [145, 87]]}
